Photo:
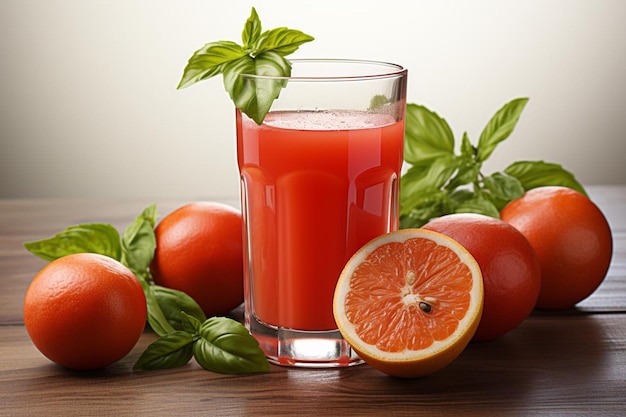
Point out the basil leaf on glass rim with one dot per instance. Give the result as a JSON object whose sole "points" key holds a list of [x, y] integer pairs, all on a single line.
{"points": [[262, 53]]}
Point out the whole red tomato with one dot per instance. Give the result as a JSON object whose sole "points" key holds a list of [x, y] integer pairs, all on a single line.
{"points": [[572, 239], [510, 268], [199, 251]]}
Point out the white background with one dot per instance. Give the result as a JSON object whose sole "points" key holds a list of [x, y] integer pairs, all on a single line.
{"points": [[89, 106]]}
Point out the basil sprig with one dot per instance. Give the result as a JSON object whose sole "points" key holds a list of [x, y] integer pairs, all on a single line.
{"points": [[441, 181], [262, 53], [218, 344]]}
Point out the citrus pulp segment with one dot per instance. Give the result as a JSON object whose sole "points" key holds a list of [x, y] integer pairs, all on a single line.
{"points": [[409, 302]]}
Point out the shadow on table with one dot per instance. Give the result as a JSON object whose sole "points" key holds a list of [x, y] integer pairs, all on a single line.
{"points": [[545, 360]]}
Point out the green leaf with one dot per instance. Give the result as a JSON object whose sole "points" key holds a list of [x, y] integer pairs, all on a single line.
{"points": [[503, 187], [467, 149], [468, 168], [254, 96], [478, 204], [139, 242], [499, 127], [226, 346], [169, 351], [420, 179], [424, 207], [533, 174], [83, 238], [432, 175], [156, 318], [413, 220], [209, 61], [282, 41], [190, 324], [467, 173], [251, 30], [427, 136], [459, 196], [171, 302], [262, 54]]}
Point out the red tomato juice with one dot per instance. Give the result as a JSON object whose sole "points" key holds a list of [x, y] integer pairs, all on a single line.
{"points": [[316, 186]]}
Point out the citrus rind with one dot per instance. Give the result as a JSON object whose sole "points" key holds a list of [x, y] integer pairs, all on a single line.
{"points": [[408, 362]]}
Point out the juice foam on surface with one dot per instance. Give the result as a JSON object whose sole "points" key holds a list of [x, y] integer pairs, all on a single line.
{"points": [[327, 120]]}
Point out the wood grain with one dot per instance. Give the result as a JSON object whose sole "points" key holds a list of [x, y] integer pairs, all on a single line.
{"points": [[548, 366], [571, 363]]}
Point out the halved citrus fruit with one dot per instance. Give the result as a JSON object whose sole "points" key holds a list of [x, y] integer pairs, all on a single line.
{"points": [[409, 302]]}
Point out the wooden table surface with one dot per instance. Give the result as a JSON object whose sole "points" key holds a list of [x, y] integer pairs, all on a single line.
{"points": [[569, 363]]}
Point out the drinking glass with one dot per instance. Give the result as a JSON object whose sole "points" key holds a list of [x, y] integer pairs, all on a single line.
{"points": [[319, 179]]}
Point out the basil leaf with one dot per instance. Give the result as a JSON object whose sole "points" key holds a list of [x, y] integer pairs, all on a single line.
{"points": [[467, 173], [251, 30], [171, 302], [427, 136], [169, 351], [190, 324], [433, 175], [261, 54], [226, 346], [414, 219], [99, 238], [282, 41], [467, 150], [254, 96], [533, 174], [139, 242], [478, 204], [209, 61], [503, 187], [499, 127], [460, 195], [424, 207], [156, 318], [420, 178]]}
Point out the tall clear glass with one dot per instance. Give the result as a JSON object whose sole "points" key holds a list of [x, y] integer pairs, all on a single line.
{"points": [[319, 178]]}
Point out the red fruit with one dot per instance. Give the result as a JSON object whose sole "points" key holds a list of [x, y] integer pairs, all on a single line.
{"points": [[572, 239], [200, 252], [510, 268]]}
